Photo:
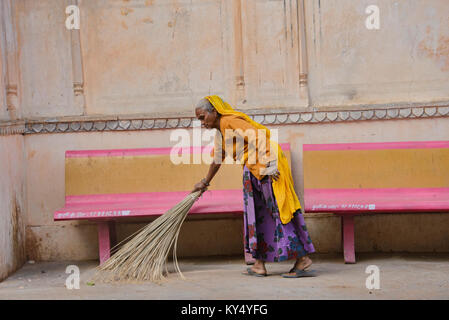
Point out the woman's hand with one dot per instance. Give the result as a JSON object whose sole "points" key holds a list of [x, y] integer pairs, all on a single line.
{"points": [[200, 186], [273, 170], [276, 175]]}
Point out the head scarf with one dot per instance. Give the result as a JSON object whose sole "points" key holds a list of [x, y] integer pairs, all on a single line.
{"points": [[283, 189], [224, 108]]}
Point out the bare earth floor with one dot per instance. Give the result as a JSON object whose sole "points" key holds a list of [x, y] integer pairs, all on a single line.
{"points": [[402, 276]]}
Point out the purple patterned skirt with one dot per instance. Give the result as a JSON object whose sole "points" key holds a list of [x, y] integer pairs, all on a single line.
{"points": [[265, 237]]}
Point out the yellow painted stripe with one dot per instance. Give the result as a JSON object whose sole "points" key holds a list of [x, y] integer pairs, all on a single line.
{"points": [[149, 173], [103, 175], [392, 168]]}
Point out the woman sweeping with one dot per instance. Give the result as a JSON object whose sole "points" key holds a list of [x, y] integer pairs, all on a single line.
{"points": [[274, 228]]}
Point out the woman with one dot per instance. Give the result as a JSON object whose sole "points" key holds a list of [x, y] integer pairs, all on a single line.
{"points": [[273, 224]]}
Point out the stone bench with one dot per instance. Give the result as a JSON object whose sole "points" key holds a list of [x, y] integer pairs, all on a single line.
{"points": [[108, 185], [350, 179]]}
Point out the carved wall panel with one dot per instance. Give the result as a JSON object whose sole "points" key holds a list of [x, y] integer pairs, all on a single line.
{"points": [[144, 56], [45, 59], [405, 60], [271, 33]]}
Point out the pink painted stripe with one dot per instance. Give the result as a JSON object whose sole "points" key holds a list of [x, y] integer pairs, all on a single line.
{"points": [[379, 200], [137, 197], [145, 151], [135, 152], [146, 204], [377, 145]]}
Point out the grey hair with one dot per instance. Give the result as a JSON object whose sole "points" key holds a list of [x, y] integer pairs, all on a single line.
{"points": [[205, 105]]}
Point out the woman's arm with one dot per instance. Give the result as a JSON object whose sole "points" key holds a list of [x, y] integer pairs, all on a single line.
{"points": [[204, 183]]}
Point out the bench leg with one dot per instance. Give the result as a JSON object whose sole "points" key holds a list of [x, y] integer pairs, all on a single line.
{"points": [[347, 233], [106, 239]]}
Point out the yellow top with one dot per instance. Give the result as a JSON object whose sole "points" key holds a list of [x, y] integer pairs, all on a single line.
{"points": [[240, 140], [283, 189]]}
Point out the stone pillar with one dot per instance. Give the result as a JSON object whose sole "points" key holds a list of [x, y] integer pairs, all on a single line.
{"points": [[239, 88], [8, 43], [77, 67], [302, 51]]}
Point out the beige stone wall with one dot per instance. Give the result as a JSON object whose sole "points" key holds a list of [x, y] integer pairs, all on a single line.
{"points": [[168, 54], [12, 204], [405, 60], [145, 56], [160, 57]]}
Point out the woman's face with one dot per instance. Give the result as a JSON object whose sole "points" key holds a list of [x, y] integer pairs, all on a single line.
{"points": [[208, 119]]}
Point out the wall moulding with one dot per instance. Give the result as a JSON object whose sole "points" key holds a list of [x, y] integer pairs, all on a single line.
{"points": [[12, 128], [150, 122]]}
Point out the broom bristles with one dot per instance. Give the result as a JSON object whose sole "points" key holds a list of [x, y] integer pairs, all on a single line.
{"points": [[143, 255]]}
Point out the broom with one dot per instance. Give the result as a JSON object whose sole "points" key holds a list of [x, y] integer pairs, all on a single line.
{"points": [[144, 257]]}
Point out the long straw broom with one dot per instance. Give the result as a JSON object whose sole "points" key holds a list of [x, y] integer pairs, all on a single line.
{"points": [[144, 256]]}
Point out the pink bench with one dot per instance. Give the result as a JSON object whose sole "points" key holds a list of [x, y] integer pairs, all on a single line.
{"points": [[350, 179], [108, 185]]}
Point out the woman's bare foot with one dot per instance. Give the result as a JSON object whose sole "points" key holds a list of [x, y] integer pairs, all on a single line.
{"points": [[259, 267], [300, 264], [303, 263]]}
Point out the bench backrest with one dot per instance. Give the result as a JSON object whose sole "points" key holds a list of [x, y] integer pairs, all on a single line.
{"points": [[385, 176], [122, 171]]}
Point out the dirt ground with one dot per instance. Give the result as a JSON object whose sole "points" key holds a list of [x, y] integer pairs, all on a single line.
{"points": [[401, 276]]}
